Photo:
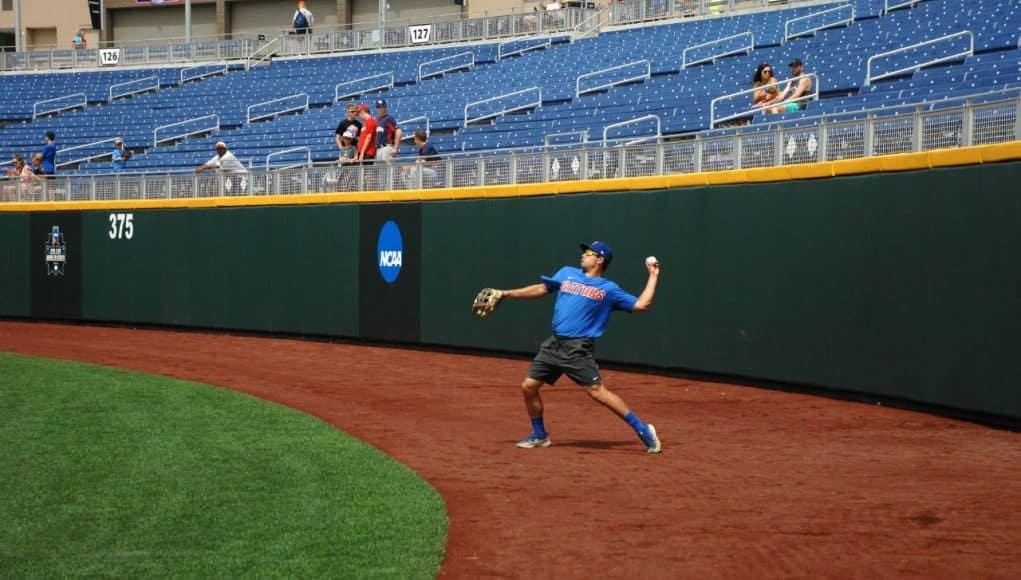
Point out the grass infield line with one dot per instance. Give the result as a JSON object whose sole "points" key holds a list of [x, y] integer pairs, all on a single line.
{"points": [[112, 473]]}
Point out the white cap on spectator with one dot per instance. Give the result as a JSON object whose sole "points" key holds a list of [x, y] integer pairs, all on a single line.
{"points": [[221, 144]]}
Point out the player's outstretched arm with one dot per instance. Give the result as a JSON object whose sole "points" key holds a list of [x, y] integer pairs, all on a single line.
{"points": [[533, 291], [645, 298]]}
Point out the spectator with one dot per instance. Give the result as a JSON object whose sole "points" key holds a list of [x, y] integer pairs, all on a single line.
{"points": [[388, 134], [302, 21], [348, 152], [224, 161], [120, 156], [80, 42], [49, 165], [789, 102], [350, 121], [21, 172], [425, 165], [19, 167], [767, 87], [367, 136], [37, 164]]}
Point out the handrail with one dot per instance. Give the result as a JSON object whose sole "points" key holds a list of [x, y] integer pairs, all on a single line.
{"points": [[868, 65], [549, 136], [337, 95], [537, 103], [64, 150], [787, 25], [470, 65], [659, 131], [305, 148], [155, 87], [541, 45], [752, 110], [887, 7], [269, 49], [411, 134], [249, 118], [577, 81], [598, 16], [220, 69], [745, 49], [35, 106], [155, 132]]}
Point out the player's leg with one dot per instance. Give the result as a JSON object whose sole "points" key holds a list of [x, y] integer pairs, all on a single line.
{"points": [[533, 404], [544, 369], [646, 432]]}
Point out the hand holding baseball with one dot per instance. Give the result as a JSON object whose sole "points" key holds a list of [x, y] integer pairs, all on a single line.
{"points": [[652, 264]]}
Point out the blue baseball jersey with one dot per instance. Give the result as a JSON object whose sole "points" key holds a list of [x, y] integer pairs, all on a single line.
{"points": [[584, 304]]}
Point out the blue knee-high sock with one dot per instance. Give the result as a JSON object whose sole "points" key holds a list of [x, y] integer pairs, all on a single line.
{"points": [[537, 426], [635, 422]]}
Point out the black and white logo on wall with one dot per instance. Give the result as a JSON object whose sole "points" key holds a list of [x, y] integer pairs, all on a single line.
{"points": [[56, 252]]}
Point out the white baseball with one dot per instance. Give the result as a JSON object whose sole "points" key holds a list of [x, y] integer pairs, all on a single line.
{"points": [[651, 260]]}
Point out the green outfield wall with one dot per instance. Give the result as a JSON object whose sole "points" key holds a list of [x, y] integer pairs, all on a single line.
{"points": [[901, 285]]}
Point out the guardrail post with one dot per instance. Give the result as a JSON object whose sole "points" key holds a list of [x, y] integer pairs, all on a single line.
{"points": [[968, 124], [916, 129], [659, 157], [778, 147], [696, 160], [867, 137], [824, 141]]}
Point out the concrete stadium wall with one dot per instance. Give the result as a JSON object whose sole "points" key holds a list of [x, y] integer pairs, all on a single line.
{"points": [[895, 285]]}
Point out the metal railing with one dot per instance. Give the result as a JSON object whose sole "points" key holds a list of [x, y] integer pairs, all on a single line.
{"points": [[869, 77], [516, 107], [523, 45], [454, 64], [814, 17], [408, 134], [209, 70], [750, 111], [888, 5], [363, 86], [276, 112], [262, 54], [65, 150], [617, 81], [283, 152], [201, 130], [637, 121], [552, 139], [154, 86], [973, 120], [36, 112], [738, 49]]}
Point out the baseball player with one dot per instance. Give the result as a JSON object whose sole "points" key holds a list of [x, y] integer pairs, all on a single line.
{"points": [[582, 310]]}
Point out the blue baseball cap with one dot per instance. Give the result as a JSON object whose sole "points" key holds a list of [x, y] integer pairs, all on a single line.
{"points": [[601, 249]]}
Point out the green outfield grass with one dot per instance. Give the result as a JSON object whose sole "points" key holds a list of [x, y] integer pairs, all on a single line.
{"points": [[111, 473]]}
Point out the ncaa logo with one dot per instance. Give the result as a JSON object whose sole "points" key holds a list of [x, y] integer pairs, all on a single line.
{"points": [[389, 251]]}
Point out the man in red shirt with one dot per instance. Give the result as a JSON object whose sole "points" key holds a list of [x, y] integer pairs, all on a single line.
{"points": [[367, 136]]}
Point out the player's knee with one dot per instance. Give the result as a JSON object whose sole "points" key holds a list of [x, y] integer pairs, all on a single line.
{"points": [[530, 386]]}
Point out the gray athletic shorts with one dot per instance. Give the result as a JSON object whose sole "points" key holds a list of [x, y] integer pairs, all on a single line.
{"points": [[571, 356]]}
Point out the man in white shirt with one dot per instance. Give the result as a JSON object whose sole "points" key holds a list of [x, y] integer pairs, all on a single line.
{"points": [[224, 161]]}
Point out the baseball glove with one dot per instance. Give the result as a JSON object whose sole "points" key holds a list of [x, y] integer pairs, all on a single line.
{"points": [[486, 301]]}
